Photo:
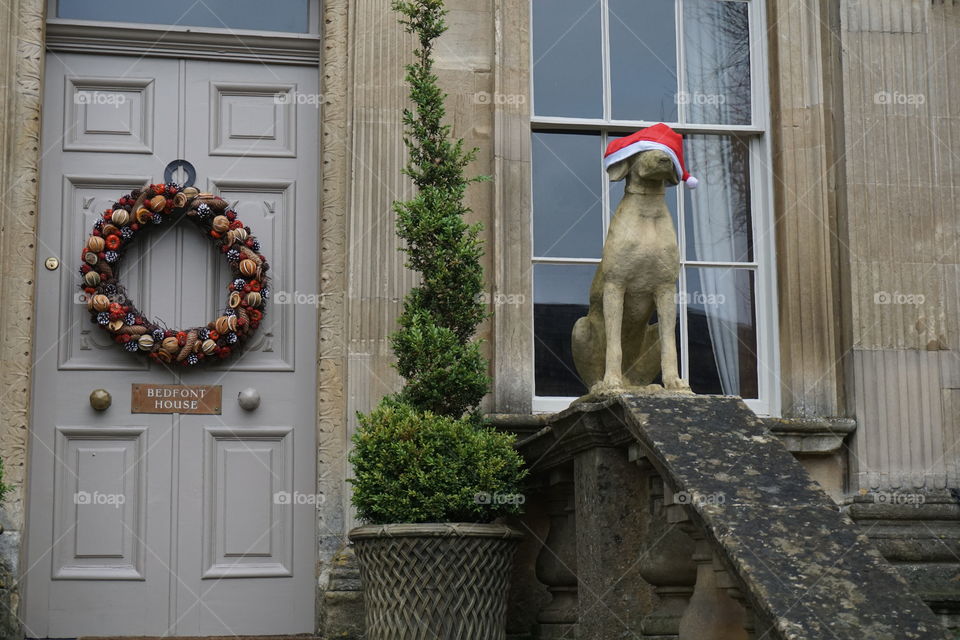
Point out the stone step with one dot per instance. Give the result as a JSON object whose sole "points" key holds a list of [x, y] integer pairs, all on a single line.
{"points": [[300, 637]]}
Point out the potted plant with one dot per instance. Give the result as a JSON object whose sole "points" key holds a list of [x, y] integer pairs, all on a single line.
{"points": [[431, 475]]}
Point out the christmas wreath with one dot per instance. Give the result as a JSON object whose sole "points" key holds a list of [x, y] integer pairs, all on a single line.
{"points": [[111, 308]]}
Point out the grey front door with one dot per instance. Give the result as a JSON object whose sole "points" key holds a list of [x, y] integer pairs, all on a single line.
{"points": [[183, 532]]}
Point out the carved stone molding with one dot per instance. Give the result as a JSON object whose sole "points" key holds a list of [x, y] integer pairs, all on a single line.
{"points": [[22, 57], [334, 172], [21, 69]]}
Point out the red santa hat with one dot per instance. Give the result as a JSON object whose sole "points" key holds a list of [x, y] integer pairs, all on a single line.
{"points": [[659, 136]]}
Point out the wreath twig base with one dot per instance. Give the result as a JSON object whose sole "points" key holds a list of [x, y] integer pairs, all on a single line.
{"points": [[110, 307]]}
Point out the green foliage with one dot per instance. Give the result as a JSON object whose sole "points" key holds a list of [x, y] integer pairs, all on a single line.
{"points": [[4, 488], [414, 467], [425, 455], [443, 367]]}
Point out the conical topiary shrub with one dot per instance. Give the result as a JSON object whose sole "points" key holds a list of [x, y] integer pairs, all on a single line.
{"points": [[430, 473]]}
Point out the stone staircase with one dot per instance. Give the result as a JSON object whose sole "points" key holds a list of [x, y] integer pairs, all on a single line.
{"points": [[684, 517]]}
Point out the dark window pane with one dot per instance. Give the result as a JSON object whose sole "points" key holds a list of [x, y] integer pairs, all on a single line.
{"points": [[719, 226], [567, 58], [277, 15], [567, 196], [561, 296], [722, 330], [716, 36], [643, 60]]}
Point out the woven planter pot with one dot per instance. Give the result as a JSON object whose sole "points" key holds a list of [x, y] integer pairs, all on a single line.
{"points": [[430, 581]]}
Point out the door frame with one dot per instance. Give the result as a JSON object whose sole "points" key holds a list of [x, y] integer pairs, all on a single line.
{"points": [[27, 39]]}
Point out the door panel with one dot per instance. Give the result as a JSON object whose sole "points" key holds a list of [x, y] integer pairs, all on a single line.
{"points": [[246, 532], [167, 524], [84, 346], [100, 503]]}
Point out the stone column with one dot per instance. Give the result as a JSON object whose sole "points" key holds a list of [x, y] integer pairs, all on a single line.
{"points": [[613, 595], [21, 82]]}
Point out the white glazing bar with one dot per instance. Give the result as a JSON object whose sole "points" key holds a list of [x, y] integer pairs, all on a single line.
{"points": [[733, 265], [605, 52], [546, 260], [629, 126], [681, 57], [605, 188]]}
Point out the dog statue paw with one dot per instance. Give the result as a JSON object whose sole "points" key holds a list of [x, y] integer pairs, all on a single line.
{"points": [[606, 388], [677, 385]]}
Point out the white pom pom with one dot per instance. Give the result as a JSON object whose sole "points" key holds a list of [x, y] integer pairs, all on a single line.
{"points": [[691, 182]]}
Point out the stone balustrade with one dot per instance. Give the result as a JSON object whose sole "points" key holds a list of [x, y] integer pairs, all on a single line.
{"points": [[688, 518]]}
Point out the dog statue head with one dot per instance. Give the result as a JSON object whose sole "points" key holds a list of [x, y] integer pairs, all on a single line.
{"points": [[653, 166], [651, 157]]}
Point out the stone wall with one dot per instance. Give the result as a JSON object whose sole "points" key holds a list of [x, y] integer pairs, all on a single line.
{"points": [[901, 85]]}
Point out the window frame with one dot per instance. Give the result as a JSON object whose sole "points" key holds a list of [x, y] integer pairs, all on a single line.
{"points": [[312, 33], [768, 402]]}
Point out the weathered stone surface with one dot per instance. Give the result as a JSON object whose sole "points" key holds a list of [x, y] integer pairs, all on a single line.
{"points": [[805, 566], [9, 591], [342, 606], [919, 534], [613, 596], [801, 564]]}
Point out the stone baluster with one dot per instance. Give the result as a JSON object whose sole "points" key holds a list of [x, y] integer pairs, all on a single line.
{"points": [[712, 614], [666, 562], [726, 582], [557, 561]]}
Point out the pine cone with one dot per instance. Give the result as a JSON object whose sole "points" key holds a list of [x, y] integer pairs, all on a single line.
{"points": [[217, 205], [188, 347], [136, 330]]}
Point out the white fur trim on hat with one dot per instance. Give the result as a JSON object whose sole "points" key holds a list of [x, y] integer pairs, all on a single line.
{"points": [[637, 147]]}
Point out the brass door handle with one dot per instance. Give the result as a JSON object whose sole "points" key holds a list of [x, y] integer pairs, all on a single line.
{"points": [[100, 399]]}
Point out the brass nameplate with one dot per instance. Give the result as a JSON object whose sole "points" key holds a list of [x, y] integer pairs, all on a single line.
{"points": [[176, 398]]}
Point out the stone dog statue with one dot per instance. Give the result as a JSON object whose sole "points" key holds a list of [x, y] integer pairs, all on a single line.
{"points": [[614, 346]]}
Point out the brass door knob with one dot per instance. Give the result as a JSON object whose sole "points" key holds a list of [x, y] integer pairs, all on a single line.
{"points": [[100, 399]]}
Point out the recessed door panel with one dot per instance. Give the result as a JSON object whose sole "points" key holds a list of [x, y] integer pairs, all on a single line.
{"points": [[84, 345], [109, 115], [100, 504], [247, 523]]}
